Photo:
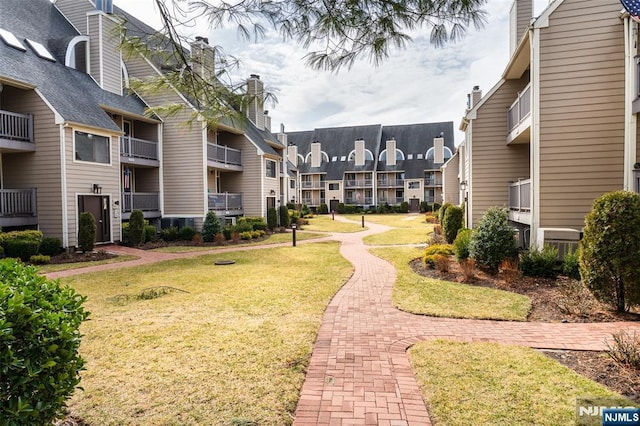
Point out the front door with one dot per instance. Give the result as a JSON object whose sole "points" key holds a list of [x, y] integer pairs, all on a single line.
{"points": [[414, 205], [98, 206], [271, 203], [333, 205]]}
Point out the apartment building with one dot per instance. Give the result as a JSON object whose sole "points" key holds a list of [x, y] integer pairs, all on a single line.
{"points": [[74, 137], [370, 165], [559, 129]]}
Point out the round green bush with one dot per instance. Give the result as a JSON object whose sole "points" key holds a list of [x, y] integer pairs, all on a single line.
{"points": [[186, 233], [39, 340], [540, 263], [452, 223], [461, 244], [609, 254], [22, 249], [323, 209], [211, 227], [493, 239], [150, 232], [86, 232], [50, 246], [136, 228]]}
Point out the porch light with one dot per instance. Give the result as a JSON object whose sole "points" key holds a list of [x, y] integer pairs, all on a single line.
{"points": [[97, 189], [463, 185]]}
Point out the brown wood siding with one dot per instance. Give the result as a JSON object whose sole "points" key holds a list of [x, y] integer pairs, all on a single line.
{"points": [[581, 109], [93, 31], [76, 12], [147, 179], [495, 164], [450, 184], [249, 182], [111, 57], [39, 169], [82, 175]]}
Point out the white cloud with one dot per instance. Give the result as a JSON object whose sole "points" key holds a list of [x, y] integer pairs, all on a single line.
{"points": [[419, 84]]}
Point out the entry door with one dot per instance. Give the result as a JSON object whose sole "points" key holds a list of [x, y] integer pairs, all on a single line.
{"points": [[414, 205], [271, 203], [98, 206], [333, 205]]}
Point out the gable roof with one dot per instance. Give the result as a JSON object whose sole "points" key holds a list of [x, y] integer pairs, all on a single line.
{"points": [[74, 95]]}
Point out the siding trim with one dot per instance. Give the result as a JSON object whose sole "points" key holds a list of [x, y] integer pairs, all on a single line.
{"points": [[534, 141], [630, 123], [63, 192]]}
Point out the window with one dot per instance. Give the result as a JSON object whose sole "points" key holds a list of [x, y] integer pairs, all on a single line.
{"points": [[334, 187], [92, 148], [414, 184], [271, 169], [368, 155], [431, 153], [383, 155], [292, 184]]}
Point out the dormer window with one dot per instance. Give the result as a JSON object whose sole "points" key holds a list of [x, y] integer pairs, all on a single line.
{"points": [[77, 54]]}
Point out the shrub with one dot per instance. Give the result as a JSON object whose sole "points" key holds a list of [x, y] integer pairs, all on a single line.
{"points": [[227, 231], [452, 223], [136, 228], [609, 261], [283, 212], [571, 264], [431, 252], [510, 270], [39, 259], [186, 233], [437, 229], [575, 298], [251, 223], [30, 235], [323, 209], [219, 239], [493, 240], [468, 267], [246, 235], [50, 246], [424, 207], [429, 218], [404, 207], [40, 328], [197, 239], [235, 236], [22, 249], [169, 234], [149, 233], [258, 234], [211, 227], [461, 244], [625, 349], [443, 211], [304, 210], [340, 208], [435, 207], [86, 232], [441, 262], [272, 218], [539, 263]]}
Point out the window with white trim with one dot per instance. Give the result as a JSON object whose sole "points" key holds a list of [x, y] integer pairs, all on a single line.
{"points": [[92, 148], [271, 168]]}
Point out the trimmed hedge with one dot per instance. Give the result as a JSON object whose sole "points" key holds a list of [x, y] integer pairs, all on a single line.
{"points": [[86, 232], [22, 249], [50, 246]]}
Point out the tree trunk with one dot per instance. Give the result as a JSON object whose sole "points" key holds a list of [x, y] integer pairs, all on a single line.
{"points": [[620, 305]]}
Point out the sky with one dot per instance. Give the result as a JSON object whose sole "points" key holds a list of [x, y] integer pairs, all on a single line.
{"points": [[419, 84]]}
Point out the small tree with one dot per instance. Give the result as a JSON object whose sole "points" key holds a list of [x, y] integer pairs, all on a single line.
{"points": [[461, 244], [443, 211], [272, 218], [609, 254], [283, 212], [493, 240], [86, 232], [452, 223], [39, 340], [136, 228], [211, 227]]}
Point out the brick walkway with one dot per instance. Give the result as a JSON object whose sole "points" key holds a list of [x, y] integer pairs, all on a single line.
{"points": [[359, 373]]}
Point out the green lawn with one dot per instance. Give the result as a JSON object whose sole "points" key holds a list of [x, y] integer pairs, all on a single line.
{"points": [[45, 269], [417, 294], [396, 220], [272, 239], [324, 223], [490, 384], [230, 344]]}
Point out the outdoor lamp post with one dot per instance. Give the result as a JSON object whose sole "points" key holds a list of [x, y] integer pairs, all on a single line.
{"points": [[293, 228]]}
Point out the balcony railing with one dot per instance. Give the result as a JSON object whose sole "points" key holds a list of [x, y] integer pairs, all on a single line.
{"points": [[18, 202], [17, 127], [225, 201], [519, 195], [224, 154], [390, 200], [520, 109], [313, 201], [138, 148], [313, 184], [432, 181], [361, 200], [143, 201], [358, 183], [390, 183]]}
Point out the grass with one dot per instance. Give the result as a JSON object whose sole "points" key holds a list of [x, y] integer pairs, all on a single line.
{"points": [[324, 223], [490, 384], [45, 269], [421, 295], [222, 345], [273, 239], [396, 220]]}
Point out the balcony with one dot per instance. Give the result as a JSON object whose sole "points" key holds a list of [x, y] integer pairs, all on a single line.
{"points": [[147, 202], [359, 201], [313, 202], [313, 184], [223, 157], [138, 151], [390, 183], [390, 200], [520, 201], [432, 181], [519, 118], [358, 183], [18, 207], [226, 203], [16, 132]]}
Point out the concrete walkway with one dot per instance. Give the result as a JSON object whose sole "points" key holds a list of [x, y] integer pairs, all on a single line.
{"points": [[359, 373]]}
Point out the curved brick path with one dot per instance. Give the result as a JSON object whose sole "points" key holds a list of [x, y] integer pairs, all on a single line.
{"points": [[359, 373]]}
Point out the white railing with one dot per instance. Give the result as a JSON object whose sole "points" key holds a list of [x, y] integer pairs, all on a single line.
{"points": [[520, 109], [143, 201], [138, 148], [390, 200], [225, 201], [313, 184], [432, 181], [358, 183], [224, 154], [390, 183], [14, 126], [519, 195], [18, 202], [361, 200]]}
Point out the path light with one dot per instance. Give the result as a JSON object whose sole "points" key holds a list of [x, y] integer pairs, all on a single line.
{"points": [[293, 228]]}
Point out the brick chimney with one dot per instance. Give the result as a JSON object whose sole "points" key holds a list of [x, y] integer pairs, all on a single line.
{"points": [[519, 18], [255, 89]]}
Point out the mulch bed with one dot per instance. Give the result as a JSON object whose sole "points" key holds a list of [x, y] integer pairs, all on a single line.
{"points": [[82, 257], [558, 300]]}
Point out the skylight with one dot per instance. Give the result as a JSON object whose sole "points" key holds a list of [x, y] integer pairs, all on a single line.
{"points": [[409, 156], [41, 50], [419, 156], [334, 159], [343, 158], [11, 40]]}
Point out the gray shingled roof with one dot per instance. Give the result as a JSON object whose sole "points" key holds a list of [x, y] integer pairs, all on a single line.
{"points": [[73, 94], [338, 142]]}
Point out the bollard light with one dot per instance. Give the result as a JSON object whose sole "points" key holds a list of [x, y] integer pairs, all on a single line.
{"points": [[363, 221], [293, 228]]}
